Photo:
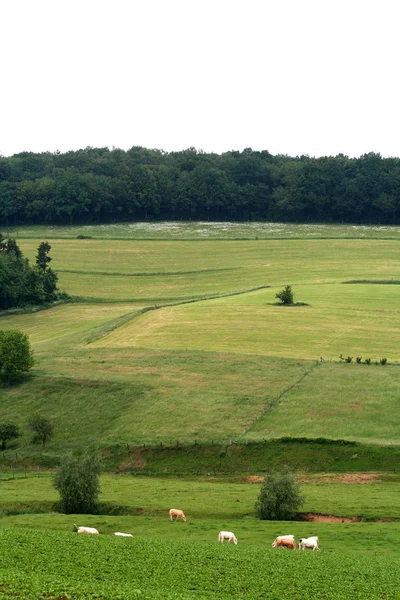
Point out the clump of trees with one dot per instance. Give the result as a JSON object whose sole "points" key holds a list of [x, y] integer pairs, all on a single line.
{"points": [[16, 356], [78, 482], [22, 284], [279, 497]]}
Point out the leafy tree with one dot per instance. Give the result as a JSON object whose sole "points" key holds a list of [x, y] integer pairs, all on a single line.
{"points": [[286, 295], [42, 429], [49, 278], [16, 357], [279, 497], [77, 481], [42, 258], [8, 431]]}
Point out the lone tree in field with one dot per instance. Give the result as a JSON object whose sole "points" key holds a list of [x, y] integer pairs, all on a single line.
{"points": [[16, 357], [77, 481], [8, 431], [49, 278], [279, 497], [42, 429], [286, 295]]}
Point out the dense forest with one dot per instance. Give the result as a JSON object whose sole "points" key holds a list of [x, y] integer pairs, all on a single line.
{"points": [[98, 185]]}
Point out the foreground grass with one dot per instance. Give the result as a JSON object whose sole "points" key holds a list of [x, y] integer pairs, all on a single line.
{"points": [[111, 568]]}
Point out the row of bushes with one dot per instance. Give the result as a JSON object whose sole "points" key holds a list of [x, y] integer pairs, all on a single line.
{"points": [[366, 361]]}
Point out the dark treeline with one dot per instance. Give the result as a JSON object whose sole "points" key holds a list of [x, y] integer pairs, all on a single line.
{"points": [[98, 185]]}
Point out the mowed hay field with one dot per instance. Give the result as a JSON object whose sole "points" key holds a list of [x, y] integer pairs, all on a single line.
{"points": [[181, 340]]}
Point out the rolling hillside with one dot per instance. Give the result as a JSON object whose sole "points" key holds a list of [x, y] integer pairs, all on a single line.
{"points": [[132, 361]]}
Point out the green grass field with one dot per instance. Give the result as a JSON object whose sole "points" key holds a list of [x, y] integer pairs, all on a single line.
{"points": [[233, 367], [206, 230], [124, 569], [41, 558], [143, 387]]}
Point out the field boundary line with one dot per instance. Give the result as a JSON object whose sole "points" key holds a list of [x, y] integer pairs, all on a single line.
{"points": [[147, 274], [116, 323], [275, 400]]}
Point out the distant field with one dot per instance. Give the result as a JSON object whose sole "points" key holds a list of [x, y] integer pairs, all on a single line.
{"points": [[235, 366], [157, 271], [340, 319], [206, 230]]}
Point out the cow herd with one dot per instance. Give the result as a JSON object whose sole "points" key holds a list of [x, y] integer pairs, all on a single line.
{"points": [[282, 541], [288, 541]]}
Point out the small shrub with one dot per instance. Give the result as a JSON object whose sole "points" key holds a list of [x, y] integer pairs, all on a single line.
{"points": [[348, 359], [279, 497], [358, 359], [367, 361], [83, 237], [286, 295], [383, 361]]}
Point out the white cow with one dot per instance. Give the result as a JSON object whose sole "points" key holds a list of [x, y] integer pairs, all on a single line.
{"points": [[311, 542], [85, 529], [123, 534], [227, 535], [179, 514]]}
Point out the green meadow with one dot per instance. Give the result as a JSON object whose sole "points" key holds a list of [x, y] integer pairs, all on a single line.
{"points": [[177, 340], [173, 359]]}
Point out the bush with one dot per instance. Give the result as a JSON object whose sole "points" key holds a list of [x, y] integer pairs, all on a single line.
{"points": [[16, 357], [367, 361], [358, 359], [77, 481], [8, 431], [279, 497], [383, 361], [286, 295]]}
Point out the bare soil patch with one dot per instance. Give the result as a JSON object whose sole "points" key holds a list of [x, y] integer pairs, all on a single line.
{"points": [[320, 518], [371, 477], [254, 479]]}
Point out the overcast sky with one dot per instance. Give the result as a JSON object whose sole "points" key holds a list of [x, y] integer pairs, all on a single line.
{"points": [[315, 77]]}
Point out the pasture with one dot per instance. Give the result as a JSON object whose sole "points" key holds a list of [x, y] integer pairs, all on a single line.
{"points": [[172, 349], [142, 365], [113, 568], [182, 560]]}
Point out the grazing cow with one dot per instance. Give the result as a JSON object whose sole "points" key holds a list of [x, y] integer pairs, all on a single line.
{"points": [[85, 529], [284, 541], [179, 514], [311, 542], [227, 535], [123, 534]]}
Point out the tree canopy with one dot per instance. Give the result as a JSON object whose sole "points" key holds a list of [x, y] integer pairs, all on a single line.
{"points": [[21, 283], [16, 357], [77, 481], [97, 185]]}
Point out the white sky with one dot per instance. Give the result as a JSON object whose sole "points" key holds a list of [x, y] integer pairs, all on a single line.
{"points": [[294, 77]]}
